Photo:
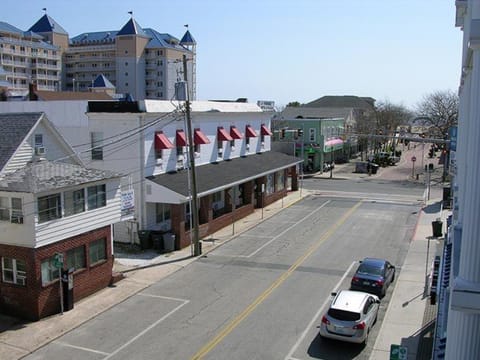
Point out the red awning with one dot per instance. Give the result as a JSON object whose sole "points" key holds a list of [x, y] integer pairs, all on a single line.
{"points": [[265, 130], [200, 138], [222, 134], [162, 142], [250, 132], [180, 138], [235, 133]]}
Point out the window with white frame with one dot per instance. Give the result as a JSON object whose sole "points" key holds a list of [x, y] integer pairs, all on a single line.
{"points": [[17, 212], [162, 212], [74, 201], [11, 210], [97, 251], [96, 196], [14, 271], [158, 153], [312, 134], [179, 150], [97, 145], [38, 140], [4, 208], [49, 208], [76, 258], [49, 271]]}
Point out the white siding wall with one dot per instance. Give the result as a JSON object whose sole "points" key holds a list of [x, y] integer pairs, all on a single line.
{"points": [[56, 230], [25, 153], [19, 234], [208, 124]]}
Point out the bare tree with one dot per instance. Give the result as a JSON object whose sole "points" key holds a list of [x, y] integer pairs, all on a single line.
{"points": [[390, 116], [383, 120], [438, 111]]}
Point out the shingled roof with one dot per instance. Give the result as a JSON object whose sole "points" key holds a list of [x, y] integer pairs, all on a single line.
{"points": [[14, 127], [132, 28], [44, 175], [303, 112], [47, 24], [343, 101]]}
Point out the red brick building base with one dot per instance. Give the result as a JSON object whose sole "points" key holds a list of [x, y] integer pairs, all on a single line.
{"points": [[34, 300]]}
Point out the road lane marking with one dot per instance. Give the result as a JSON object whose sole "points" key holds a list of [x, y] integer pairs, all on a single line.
{"points": [[109, 355], [80, 348], [284, 231], [184, 302], [250, 308], [256, 236], [317, 315], [162, 297]]}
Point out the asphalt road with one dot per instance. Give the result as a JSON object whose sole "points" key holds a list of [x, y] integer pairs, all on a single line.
{"points": [[261, 295]]}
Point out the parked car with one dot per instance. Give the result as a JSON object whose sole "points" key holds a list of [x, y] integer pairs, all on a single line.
{"points": [[386, 159], [373, 276], [350, 317]]}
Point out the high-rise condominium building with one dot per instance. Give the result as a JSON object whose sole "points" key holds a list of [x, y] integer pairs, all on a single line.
{"points": [[140, 62]]}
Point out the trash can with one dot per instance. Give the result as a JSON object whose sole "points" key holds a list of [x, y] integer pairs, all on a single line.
{"points": [[157, 240], [437, 228], [145, 240], [169, 242]]}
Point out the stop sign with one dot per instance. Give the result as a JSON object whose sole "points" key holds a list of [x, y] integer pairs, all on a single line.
{"points": [[414, 158]]}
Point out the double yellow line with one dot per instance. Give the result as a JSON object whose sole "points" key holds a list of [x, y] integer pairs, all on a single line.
{"points": [[249, 309]]}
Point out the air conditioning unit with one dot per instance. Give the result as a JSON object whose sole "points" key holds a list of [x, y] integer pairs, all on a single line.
{"points": [[17, 219], [39, 150]]}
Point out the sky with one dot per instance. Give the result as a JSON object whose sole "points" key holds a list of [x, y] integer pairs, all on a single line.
{"points": [[288, 50]]}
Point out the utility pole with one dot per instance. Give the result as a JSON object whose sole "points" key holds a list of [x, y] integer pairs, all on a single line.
{"points": [[196, 243]]}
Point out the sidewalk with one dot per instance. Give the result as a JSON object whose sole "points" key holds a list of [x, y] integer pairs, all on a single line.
{"points": [[18, 339], [410, 319]]}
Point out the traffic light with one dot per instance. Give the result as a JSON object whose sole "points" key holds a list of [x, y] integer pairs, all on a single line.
{"points": [[282, 133], [431, 152], [300, 132]]}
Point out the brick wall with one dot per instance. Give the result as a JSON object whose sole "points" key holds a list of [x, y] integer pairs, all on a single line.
{"points": [[35, 301]]}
